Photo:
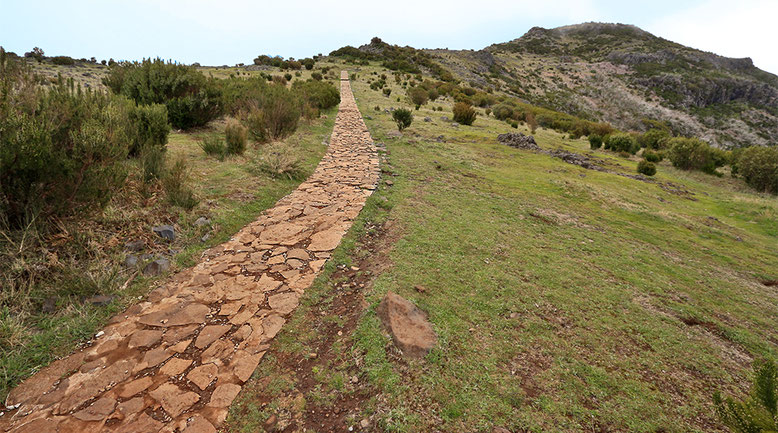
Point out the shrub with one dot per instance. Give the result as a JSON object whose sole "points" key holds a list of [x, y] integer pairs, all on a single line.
{"points": [[758, 166], [653, 139], [308, 63], [403, 118], [695, 154], [235, 135], [152, 162], [288, 76], [621, 142], [624, 154], [387, 91], [274, 116], [432, 94], [176, 188], [319, 94], [464, 114], [646, 167], [281, 160], [63, 60], [214, 146], [316, 76], [514, 124], [757, 412], [651, 156], [150, 126], [418, 96], [529, 117], [192, 99], [595, 141], [61, 151]]}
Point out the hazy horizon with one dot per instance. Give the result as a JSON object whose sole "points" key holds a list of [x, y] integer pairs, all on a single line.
{"points": [[236, 31]]}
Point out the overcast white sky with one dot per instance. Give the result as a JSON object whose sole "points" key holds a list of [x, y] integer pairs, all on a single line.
{"points": [[233, 31]]}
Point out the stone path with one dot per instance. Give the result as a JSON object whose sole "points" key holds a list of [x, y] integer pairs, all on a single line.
{"points": [[177, 360]]}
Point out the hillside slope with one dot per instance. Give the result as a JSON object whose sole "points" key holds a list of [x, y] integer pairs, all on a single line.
{"points": [[626, 76]]}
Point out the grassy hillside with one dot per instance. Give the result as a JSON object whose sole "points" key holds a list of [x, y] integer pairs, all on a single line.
{"points": [[565, 299], [623, 75]]}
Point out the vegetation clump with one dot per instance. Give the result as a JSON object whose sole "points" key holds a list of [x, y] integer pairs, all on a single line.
{"points": [[695, 154], [757, 413], [621, 142], [646, 167], [418, 96], [464, 113], [758, 167], [403, 118], [236, 136], [595, 141]]}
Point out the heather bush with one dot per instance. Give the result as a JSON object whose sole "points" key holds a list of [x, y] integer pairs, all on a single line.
{"points": [[319, 94], [651, 156], [150, 126], [418, 96], [646, 167], [595, 141], [758, 167], [236, 136], [214, 146], [61, 150], [316, 76], [758, 412], [387, 91], [403, 118], [192, 100], [288, 77], [280, 160], [503, 112], [274, 116], [622, 142], [695, 154], [653, 139], [176, 186], [63, 60], [464, 114]]}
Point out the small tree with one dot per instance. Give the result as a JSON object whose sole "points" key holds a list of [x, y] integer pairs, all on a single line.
{"points": [[403, 117], [464, 113], [531, 122], [418, 96], [595, 141], [647, 168], [758, 413]]}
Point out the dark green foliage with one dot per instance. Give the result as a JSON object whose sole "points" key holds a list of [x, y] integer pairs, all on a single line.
{"points": [[464, 114], [316, 76], [654, 139], [403, 117], [695, 154], [758, 413], [176, 188], [758, 166], [150, 126], [503, 111], [418, 96], [621, 142], [61, 150], [152, 163], [192, 99], [396, 58], [377, 84], [63, 60], [236, 136], [319, 94], [514, 124], [595, 141], [288, 77], [646, 167], [387, 91], [275, 114], [308, 63], [214, 146], [651, 156]]}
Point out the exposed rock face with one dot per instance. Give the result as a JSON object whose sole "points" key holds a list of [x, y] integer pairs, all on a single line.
{"points": [[411, 332]]}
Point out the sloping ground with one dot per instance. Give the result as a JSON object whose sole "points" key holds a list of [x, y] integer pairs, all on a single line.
{"points": [[565, 299], [177, 360]]}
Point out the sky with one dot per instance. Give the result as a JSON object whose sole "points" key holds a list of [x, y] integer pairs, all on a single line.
{"points": [[227, 32]]}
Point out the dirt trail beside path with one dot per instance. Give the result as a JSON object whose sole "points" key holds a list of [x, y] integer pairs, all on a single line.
{"points": [[177, 360]]}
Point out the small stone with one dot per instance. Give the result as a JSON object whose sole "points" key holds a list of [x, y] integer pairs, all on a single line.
{"points": [[131, 261], [135, 246], [270, 422], [224, 394], [365, 423], [354, 379], [156, 267], [100, 300], [209, 334], [389, 182], [420, 289], [203, 375], [205, 237], [144, 338], [202, 221], [166, 232], [97, 411], [175, 366]]}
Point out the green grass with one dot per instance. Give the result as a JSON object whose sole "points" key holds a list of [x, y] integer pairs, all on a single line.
{"points": [[560, 295], [231, 193]]}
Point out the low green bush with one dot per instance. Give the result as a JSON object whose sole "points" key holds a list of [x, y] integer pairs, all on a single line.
{"points": [[418, 96], [654, 139], [464, 113], [695, 154], [758, 167], [214, 146], [288, 76], [274, 116], [152, 162], [622, 142], [595, 141], [403, 118], [651, 156], [319, 94], [63, 60], [316, 76], [757, 412], [236, 136], [176, 185], [646, 167], [149, 125], [387, 91]]}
